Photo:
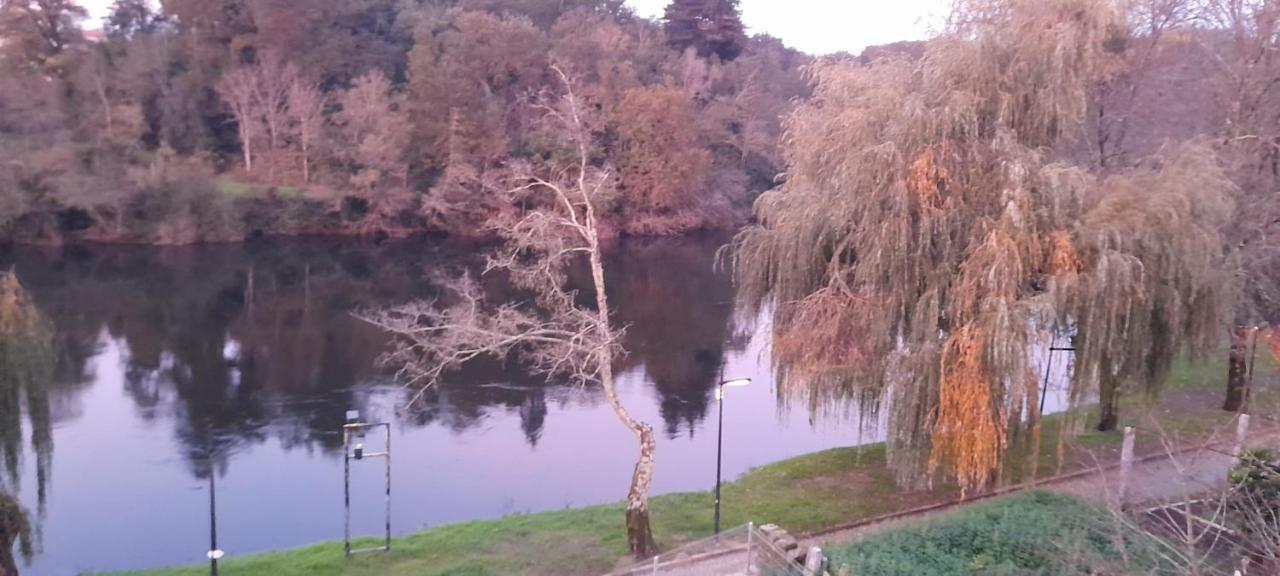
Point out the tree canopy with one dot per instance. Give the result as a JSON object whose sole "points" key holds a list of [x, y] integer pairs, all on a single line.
{"points": [[200, 120], [933, 228]]}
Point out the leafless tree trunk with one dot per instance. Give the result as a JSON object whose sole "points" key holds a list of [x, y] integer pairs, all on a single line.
{"points": [[557, 336], [306, 112], [275, 80], [238, 88]]}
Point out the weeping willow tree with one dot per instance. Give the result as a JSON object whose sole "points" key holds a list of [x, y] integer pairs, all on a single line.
{"points": [[931, 229], [26, 364]]}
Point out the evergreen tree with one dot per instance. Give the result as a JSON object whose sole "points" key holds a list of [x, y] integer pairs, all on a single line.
{"points": [[711, 26]]}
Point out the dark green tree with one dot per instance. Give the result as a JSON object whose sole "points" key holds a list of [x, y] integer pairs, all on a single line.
{"points": [[711, 26], [36, 33]]}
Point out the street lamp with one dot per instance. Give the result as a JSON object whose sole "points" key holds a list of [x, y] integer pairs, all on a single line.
{"points": [[735, 383]]}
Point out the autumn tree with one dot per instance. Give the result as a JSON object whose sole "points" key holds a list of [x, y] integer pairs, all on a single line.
{"points": [[662, 169], [466, 70], [711, 27], [931, 226], [375, 132], [564, 200]]}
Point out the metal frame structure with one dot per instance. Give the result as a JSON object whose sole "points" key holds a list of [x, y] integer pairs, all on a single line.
{"points": [[357, 428]]}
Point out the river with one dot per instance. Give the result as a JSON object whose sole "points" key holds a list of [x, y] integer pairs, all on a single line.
{"points": [[243, 359]]}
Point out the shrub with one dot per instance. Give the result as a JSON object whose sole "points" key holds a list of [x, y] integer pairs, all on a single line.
{"points": [[1034, 533]]}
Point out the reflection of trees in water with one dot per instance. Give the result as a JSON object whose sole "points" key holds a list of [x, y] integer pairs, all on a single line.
{"points": [[678, 314], [238, 344], [26, 366]]}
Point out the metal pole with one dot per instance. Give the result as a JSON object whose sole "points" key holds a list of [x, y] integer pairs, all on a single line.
{"points": [[346, 492], [1044, 390], [213, 520], [719, 448], [388, 457]]}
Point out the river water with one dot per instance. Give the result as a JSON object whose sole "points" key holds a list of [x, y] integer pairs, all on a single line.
{"points": [[242, 360]]}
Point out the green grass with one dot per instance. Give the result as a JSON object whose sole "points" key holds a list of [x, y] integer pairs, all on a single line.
{"points": [[237, 189], [802, 494], [1031, 533]]}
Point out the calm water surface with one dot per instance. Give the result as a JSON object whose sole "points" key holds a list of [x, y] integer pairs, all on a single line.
{"points": [[241, 361]]}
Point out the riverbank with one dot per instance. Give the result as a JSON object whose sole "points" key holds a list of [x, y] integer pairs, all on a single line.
{"points": [[804, 494], [224, 210]]}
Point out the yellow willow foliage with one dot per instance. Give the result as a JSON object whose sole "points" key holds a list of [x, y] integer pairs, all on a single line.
{"points": [[18, 317], [1062, 257], [927, 195], [969, 433], [832, 335], [928, 177]]}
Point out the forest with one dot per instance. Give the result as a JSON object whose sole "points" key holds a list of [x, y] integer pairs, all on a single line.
{"points": [[219, 120]]}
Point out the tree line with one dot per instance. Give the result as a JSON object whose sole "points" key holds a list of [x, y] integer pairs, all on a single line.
{"points": [[200, 120]]}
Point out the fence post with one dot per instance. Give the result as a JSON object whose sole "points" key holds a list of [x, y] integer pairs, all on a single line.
{"points": [[655, 565], [1126, 464], [1242, 431], [813, 561], [751, 528]]}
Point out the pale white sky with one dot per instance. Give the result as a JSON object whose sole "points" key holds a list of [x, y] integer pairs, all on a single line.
{"points": [[814, 26], [826, 26]]}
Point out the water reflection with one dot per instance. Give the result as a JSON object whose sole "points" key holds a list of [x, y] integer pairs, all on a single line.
{"points": [[226, 353]]}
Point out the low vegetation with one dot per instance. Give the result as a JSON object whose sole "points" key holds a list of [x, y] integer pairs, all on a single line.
{"points": [[1032, 533]]}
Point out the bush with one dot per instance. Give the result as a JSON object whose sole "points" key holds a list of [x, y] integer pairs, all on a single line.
{"points": [[1255, 499], [1034, 533]]}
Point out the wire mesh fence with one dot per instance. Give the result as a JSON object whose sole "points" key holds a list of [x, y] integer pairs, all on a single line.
{"points": [[745, 550]]}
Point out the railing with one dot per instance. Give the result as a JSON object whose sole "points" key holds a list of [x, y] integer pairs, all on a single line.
{"points": [[745, 550]]}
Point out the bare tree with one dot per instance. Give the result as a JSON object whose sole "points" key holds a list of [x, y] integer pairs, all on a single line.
{"points": [[275, 80], [552, 333], [306, 119], [238, 89], [1244, 38]]}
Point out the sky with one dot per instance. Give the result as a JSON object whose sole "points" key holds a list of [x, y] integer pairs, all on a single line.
{"points": [[813, 26], [826, 26]]}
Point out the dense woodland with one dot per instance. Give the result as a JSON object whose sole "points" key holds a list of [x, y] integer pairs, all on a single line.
{"points": [[213, 120]]}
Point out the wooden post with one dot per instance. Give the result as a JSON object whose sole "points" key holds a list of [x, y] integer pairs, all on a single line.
{"points": [[813, 561], [1126, 465], [1242, 432]]}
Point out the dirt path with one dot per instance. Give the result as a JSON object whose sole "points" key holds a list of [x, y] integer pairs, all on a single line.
{"points": [[1154, 478]]}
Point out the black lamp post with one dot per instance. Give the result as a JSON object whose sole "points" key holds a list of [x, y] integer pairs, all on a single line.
{"points": [[720, 433]]}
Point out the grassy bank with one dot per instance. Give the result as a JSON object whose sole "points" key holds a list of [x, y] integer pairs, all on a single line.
{"points": [[803, 494]]}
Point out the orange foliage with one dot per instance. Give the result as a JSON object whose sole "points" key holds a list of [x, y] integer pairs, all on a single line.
{"points": [[1271, 337], [928, 178], [661, 163], [825, 335], [970, 429], [1063, 259]]}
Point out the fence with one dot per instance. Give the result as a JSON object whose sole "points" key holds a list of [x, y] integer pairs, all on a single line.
{"points": [[747, 550]]}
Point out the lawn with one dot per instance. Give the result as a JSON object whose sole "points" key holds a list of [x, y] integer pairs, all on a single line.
{"points": [[802, 494]]}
